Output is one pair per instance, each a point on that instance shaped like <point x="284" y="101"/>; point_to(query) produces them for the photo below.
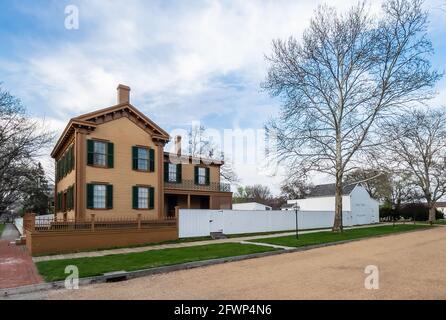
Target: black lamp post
<point x="296" y="208"/>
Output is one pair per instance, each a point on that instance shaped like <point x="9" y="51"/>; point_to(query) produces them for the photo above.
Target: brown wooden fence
<point x="48" y="236"/>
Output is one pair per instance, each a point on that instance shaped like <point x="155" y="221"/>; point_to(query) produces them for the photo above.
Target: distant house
<point x="441" y="206"/>
<point x="250" y="206"/>
<point x="355" y="200"/>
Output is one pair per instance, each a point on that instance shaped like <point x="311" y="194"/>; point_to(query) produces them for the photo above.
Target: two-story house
<point x="111" y="162"/>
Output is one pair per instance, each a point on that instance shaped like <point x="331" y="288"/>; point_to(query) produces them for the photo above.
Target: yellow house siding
<point x="124" y="134"/>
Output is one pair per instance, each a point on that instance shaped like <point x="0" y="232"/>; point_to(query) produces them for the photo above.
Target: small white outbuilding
<point x="250" y="206"/>
<point x="356" y="201"/>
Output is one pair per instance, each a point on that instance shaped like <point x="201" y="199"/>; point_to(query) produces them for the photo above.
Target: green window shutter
<point x="179" y="173"/>
<point x="90" y="152"/>
<point x="208" y="176"/>
<point x="135" y="197"/>
<point x="196" y="175"/>
<point x="63" y="166"/>
<point x="69" y="160"/>
<point x="57" y="170"/>
<point x="135" y="158"/>
<point x="110" y="155"/>
<point x="151" y="198"/>
<point x="73" y="160"/>
<point x="72" y="197"/>
<point x="68" y="204"/>
<point x="56" y="202"/>
<point x="166" y="171"/>
<point x="152" y="160"/>
<point x="90" y="195"/>
<point x="109" y="196"/>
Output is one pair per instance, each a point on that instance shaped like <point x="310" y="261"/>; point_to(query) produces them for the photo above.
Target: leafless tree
<point x="21" y="142"/>
<point x="256" y="193"/>
<point x="201" y="145"/>
<point x="403" y="189"/>
<point x="295" y="189"/>
<point x="376" y="181"/>
<point x="418" y="149"/>
<point x="347" y="73"/>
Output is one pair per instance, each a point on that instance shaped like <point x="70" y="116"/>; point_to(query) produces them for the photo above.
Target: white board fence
<point x="199" y="222"/>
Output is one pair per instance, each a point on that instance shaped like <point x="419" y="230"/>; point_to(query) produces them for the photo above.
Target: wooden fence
<point x="49" y="235"/>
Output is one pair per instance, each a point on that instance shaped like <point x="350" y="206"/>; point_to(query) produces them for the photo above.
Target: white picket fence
<point x="198" y="222"/>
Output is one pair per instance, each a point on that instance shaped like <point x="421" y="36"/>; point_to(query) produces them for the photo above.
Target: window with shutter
<point x="100" y="154"/>
<point x="143" y="159"/>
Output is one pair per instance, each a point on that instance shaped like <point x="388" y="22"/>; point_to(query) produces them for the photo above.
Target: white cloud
<point x="177" y="58"/>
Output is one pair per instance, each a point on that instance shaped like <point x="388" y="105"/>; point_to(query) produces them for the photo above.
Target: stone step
<point x="218" y="235"/>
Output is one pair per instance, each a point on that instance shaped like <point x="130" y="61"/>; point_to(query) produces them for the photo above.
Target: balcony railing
<point x="190" y="185"/>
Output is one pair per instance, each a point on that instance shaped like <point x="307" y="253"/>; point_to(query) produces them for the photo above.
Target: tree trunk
<point x="337" y="225"/>
<point x="431" y="214"/>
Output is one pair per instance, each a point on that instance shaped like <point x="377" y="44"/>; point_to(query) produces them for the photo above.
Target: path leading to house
<point x="16" y="265"/>
<point x="101" y="253"/>
<point x="411" y="266"/>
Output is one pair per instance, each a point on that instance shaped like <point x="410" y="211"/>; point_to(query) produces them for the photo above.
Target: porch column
<point x="80" y="165"/>
<point x="188" y="200"/>
<point x="160" y="158"/>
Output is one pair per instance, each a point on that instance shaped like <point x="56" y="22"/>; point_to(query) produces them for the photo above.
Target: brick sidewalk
<point x="16" y="265"/>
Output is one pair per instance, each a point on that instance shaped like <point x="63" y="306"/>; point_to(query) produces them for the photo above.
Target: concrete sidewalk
<point x="101" y="253"/>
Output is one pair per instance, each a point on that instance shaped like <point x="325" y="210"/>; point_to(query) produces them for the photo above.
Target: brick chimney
<point x="123" y="94"/>
<point x="178" y="145"/>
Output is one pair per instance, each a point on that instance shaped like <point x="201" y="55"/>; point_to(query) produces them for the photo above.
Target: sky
<point x="185" y="61"/>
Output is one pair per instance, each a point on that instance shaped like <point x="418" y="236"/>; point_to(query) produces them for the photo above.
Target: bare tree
<point x="418" y="149"/>
<point x="295" y="189"/>
<point x="201" y="145"/>
<point x="403" y="189"/>
<point x="256" y="193"/>
<point x="376" y="181"/>
<point x="21" y="142"/>
<point x="346" y="73"/>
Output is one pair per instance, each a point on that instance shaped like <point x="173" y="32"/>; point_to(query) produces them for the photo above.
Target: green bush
<point x="419" y="210"/>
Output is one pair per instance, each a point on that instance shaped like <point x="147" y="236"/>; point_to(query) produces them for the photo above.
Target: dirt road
<point x="411" y="266"/>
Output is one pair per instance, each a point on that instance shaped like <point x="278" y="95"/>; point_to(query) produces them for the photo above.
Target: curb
<point x="127" y="275"/>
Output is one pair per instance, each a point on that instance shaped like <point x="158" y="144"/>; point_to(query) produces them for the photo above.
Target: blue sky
<point x="184" y="60"/>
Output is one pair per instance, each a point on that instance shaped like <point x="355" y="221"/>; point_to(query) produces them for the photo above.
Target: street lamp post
<point x="296" y="209"/>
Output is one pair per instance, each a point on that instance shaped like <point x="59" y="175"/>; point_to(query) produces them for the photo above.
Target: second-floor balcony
<point x="191" y="185"/>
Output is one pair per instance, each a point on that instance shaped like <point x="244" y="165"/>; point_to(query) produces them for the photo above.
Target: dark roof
<point x="440" y="204"/>
<point x="327" y="190"/>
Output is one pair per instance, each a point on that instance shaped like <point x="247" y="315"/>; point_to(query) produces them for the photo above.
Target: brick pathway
<point x="16" y="265"/>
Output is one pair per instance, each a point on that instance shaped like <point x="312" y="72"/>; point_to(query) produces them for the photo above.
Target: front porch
<point x="195" y="200"/>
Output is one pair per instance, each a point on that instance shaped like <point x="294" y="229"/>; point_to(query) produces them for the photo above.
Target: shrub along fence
<point x="48" y="236"/>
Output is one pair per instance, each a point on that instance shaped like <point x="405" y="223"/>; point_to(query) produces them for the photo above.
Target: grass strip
<point x="54" y="270"/>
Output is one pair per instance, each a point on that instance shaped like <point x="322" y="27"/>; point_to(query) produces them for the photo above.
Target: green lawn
<point x="327" y="236"/>
<point x="2" y="226"/>
<point x="54" y="270"/>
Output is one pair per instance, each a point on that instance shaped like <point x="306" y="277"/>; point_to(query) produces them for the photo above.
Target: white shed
<point x="250" y="206"/>
<point x="356" y="201"/>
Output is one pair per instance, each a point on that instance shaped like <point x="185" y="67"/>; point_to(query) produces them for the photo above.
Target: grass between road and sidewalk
<point x="2" y="227"/>
<point x="55" y="270"/>
<point x="329" y="237"/>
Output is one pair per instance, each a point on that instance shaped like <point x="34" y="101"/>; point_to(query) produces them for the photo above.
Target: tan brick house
<point x="111" y="162"/>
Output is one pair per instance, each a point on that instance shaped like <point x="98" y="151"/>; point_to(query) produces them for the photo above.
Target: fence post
<point x="29" y="222"/>
<point x="177" y="220"/>
<point x="92" y="221"/>
<point x="139" y="220"/>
